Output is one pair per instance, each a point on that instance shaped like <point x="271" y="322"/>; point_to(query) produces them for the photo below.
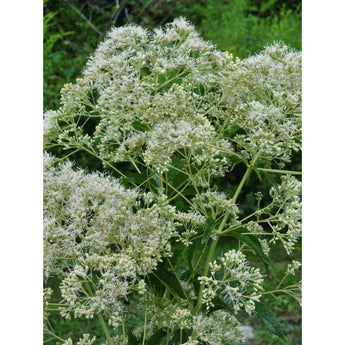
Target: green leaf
<point x="208" y="228"/>
<point x="230" y="133"/>
<point x="144" y="71"/>
<point x="169" y="280"/>
<point x="270" y="320"/>
<point x="141" y="127"/>
<point x="136" y="177"/>
<point x="132" y="340"/>
<point x="254" y="244"/>
<point x="156" y="338"/>
<point x="155" y="284"/>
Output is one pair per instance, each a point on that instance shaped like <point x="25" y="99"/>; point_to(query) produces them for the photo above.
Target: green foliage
<point x="270" y="319"/>
<point x="243" y="27"/>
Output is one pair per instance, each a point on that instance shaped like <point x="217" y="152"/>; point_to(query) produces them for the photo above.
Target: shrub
<point x="243" y="27"/>
<point x="149" y="241"/>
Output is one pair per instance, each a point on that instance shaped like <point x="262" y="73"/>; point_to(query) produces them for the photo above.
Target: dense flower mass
<point x="90" y="214"/>
<point x="165" y="115"/>
<point x="153" y="95"/>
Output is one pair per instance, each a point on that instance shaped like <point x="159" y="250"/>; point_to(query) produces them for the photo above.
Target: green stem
<point x="105" y="329"/>
<point x="291" y="172"/>
<point x="205" y="272"/>
<point x="178" y="279"/>
<point x="54" y="335"/>
<point x="220" y="229"/>
<point x="107" y="163"/>
<point x="144" y="336"/>
<point x="245" y="177"/>
<point x="100" y="318"/>
<point x="226" y="231"/>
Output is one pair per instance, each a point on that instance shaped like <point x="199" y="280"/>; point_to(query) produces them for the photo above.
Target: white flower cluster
<point x="47" y="293"/>
<point x="269" y="130"/>
<point x="95" y="227"/>
<point x="215" y="328"/>
<point x="295" y="265"/>
<point x="190" y="222"/>
<point x="85" y="340"/>
<point x="287" y="208"/>
<point x="232" y="275"/>
<point x="263" y="98"/>
<point x="91" y="213"/>
<point x="217" y="204"/>
<point x="152" y="96"/>
<point x="218" y="328"/>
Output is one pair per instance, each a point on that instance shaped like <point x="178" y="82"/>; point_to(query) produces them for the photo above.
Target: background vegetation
<point x="74" y="28"/>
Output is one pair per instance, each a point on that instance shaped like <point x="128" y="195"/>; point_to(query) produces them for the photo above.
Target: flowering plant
<point x="153" y="241"/>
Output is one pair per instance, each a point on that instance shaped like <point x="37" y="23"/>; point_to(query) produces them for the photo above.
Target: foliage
<point x="152" y="237"/>
<point x="244" y="26"/>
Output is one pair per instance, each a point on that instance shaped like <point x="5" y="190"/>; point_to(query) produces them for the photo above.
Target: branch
<point x="143" y="9"/>
<point x="82" y="15"/>
<point x="118" y="11"/>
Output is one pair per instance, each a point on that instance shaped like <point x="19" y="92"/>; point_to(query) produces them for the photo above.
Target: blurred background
<point x="74" y="28"/>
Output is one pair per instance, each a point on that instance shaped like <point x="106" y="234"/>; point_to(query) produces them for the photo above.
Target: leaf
<point x="235" y="161"/>
<point x="156" y="338"/>
<point x="141" y="127"/>
<point x="136" y="177"/>
<point x="169" y="280"/>
<point x="270" y="320"/>
<point x="155" y="284"/>
<point x="208" y="228"/>
<point x="144" y="71"/>
<point x="230" y="133"/>
<point x="132" y="340"/>
<point x="254" y="244"/>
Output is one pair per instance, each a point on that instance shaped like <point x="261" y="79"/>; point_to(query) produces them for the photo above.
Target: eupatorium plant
<point x="146" y="225"/>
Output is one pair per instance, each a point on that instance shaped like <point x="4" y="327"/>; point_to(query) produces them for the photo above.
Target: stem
<point x="281" y="282"/>
<point x="100" y="317"/>
<point x="245" y="177"/>
<point x="221" y="227"/>
<point x="178" y="279"/>
<point x="176" y="191"/>
<point x="105" y="329"/>
<point x="190" y="174"/>
<point x="226" y="231"/>
<point x="54" y="335"/>
<point x="107" y="163"/>
<point x="205" y="272"/>
<point x="144" y="336"/>
<point x="124" y="329"/>
<point x="291" y="172"/>
<point x="170" y="80"/>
